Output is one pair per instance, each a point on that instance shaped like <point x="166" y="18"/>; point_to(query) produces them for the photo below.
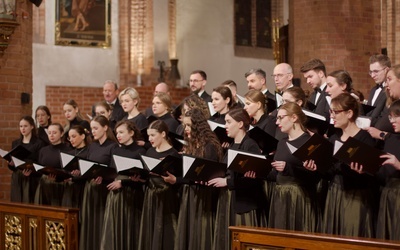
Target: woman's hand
<point x="27" y="172"/>
<point x="310" y="165"/>
<point x="51" y="177"/>
<point x="250" y="174"/>
<point x="279" y="165"/>
<point x="76" y="172"/>
<point x="170" y="178"/>
<point x="114" y="185"/>
<point x="136" y="178"/>
<point x="356" y="167"/>
<point x="217" y="182"/>
<point x="391" y="160"/>
<point x="98" y="180"/>
<point x="374" y="132"/>
<point x="225" y="145"/>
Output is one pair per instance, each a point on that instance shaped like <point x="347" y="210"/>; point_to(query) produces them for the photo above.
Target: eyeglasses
<point x="279" y="76"/>
<point x="336" y="112"/>
<point x="195" y="80"/>
<point x="280" y="117"/>
<point x="376" y="71"/>
<point x="393" y="118"/>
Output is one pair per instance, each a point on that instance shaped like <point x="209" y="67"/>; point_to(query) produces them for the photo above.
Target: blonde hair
<point x="132" y="94"/>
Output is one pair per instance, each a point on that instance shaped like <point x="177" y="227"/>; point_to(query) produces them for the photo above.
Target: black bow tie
<point x="379" y="86"/>
<point x="318" y="90"/>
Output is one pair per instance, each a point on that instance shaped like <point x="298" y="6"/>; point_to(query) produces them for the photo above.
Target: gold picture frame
<point x="83" y="23"/>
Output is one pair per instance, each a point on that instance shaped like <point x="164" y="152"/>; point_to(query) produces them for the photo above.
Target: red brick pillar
<point x="343" y="34"/>
<point x="15" y="78"/>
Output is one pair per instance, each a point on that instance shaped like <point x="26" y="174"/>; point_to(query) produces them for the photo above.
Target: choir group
<point x="145" y="210"/>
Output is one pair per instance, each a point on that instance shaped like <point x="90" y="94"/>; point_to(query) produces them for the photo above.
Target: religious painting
<point x="83" y="23"/>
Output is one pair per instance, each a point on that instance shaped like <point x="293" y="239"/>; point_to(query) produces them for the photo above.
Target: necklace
<point x="76" y="154"/>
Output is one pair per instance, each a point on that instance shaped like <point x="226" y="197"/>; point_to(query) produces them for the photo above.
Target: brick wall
<point x="15" y="78"/>
<point x="343" y="34"/>
<point x="56" y="96"/>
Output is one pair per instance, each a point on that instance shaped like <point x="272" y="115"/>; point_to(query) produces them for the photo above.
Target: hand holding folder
<point x="22" y="165"/>
<point x="318" y="149"/>
<point x="242" y="162"/>
<point x="200" y="169"/>
<point x="354" y="150"/>
<point x="60" y="174"/>
<point x="172" y="164"/>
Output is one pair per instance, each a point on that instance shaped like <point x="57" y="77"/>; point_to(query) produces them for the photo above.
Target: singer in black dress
<point x="350" y="208"/>
<point x="50" y="191"/>
<point x="199" y="202"/>
<point x="389" y="176"/>
<point x="162" y="107"/>
<point x="74" y="117"/>
<point x="293" y="205"/>
<point x="43" y="120"/>
<point x="79" y="139"/>
<point x="95" y="192"/>
<point x="161" y="200"/>
<point x="241" y="198"/>
<point x="222" y="102"/>
<point x="24" y="183"/>
<point x="124" y="201"/>
<point x="130" y="100"/>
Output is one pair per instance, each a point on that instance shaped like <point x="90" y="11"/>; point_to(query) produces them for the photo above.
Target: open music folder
<point x="200" y="169"/>
<point x="220" y="131"/>
<point x="316" y="148"/>
<point x="69" y="162"/>
<point x="60" y="174"/>
<point x="242" y="162"/>
<point x="170" y="163"/>
<point x="20" y="164"/>
<point x="315" y="122"/>
<point x="128" y="166"/>
<point x="354" y="150"/>
<point x="265" y="141"/>
<point x="19" y="152"/>
<point x="91" y="169"/>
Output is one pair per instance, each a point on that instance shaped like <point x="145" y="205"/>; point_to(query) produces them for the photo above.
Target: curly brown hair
<point x="194" y="101"/>
<point x="201" y="135"/>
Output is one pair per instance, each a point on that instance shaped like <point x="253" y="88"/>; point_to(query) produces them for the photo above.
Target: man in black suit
<point x="110" y="93"/>
<point x="379" y="65"/>
<point x="256" y="79"/>
<point x="315" y="73"/>
<point x="283" y="75"/>
<point x="197" y="83"/>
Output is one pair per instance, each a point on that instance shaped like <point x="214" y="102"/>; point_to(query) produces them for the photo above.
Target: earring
<point x="294" y="126"/>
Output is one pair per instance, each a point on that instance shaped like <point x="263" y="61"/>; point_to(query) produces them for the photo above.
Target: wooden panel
<point x="35" y="227"/>
<point x="266" y="238"/>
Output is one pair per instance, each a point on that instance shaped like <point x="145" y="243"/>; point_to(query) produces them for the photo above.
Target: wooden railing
<point x="34" y="227"/>
<point x="246" y="238"/>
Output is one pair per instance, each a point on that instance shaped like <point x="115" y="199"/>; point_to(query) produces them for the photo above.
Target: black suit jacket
<point x="270" y="102"/>
<point x="206" y="97"/>
<point x="322" y="105"/>
<point x="379" y="104"/>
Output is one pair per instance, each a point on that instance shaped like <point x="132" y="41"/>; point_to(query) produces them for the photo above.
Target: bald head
<point x="162" y="87"/>
<point x="283" y="75"/>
